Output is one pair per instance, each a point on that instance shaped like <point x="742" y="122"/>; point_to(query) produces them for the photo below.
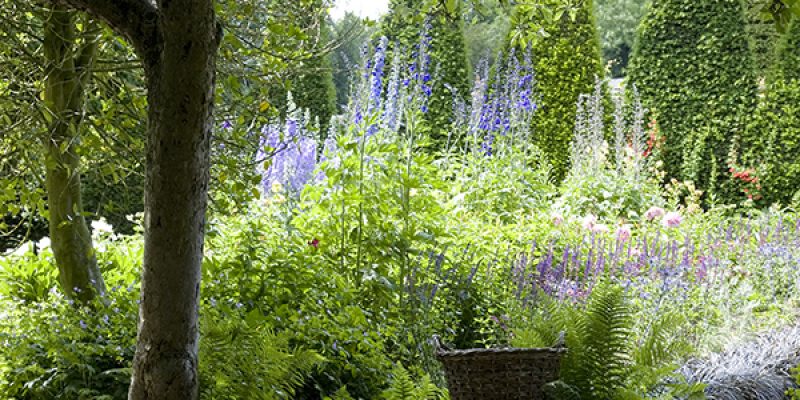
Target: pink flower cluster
<point x="624" y="233"/>
<point x="557" y="218"/>
<point x="670" y="219"/>
<point x="653" y="213"/>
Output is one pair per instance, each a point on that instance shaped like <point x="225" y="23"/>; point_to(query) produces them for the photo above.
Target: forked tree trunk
<point x="68" y="68"/>
<point x="177" y="42"/>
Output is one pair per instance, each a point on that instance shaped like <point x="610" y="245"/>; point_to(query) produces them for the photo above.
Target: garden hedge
<point x="775" y="142"/>
<point x="693" y="67"/>
<point x="774" y="133"/>
<point x="566" y="63"/>
<point x="787" y="55"/>
<point x="449" y="65"/>
<point x="763" y="37"/>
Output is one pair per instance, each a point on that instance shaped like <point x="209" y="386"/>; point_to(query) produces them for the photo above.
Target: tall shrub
<point x="693" y="67"/>
<point x="787" y="55"/>
<point x="450" y="67"/>
<point x="314" y="90"/>
<point x="774" y="134"/>
<point x="763" y="37"/>
<point x="566" y="63"/>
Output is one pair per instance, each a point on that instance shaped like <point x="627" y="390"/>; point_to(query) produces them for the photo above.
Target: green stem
<point x="361" y="151"/>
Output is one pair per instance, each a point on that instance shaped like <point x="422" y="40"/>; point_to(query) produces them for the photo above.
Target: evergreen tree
<point x="694" y="71"/>
<point x="312" y="87"/>
<point x="449" y="63"/>
<point x="787" y="55"/>
<point x="567" y="63"/>
<point x="314" y="90"/>
<point x="774" y="134"/>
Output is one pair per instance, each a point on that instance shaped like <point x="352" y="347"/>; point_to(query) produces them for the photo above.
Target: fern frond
<point x="598" y="361"/>
<point x="246" y="362"/>
<point x="402" y="387"/>
<point x="341" y="394"/>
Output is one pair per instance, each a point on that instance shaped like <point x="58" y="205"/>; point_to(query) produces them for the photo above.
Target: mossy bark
<point x="69" y="60"/>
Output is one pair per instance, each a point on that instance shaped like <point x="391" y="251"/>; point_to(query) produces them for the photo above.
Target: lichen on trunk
<point x="69" y="60"/>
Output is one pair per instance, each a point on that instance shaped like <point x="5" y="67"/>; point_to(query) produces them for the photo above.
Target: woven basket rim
<point x="510" y="351"/>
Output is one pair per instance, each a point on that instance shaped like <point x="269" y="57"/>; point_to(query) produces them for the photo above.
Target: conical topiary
<point x="448" y="58"/>
<point x="694" y="71"/>
<point x="773" y="136"/>
<point x="567" y="63"/>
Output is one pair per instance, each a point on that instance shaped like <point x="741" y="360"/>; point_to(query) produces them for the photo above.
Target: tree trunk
<point x="180" y="83"/>
<point x="177" y="41"/>
<point x="67" y="70"/>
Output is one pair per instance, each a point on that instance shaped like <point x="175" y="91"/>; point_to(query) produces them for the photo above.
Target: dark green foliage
<point x="449" y="66"/>
<point x="451" y="69"/>
<point x="566" y="63"/>
<point x="314" y="90"/>
<point x="787" y="55"/>
<point x="21" y="227"/>
<point x="115" y="200"/>
<point x="311" y="84"/>
<point x="693" y="68"/>
<point x="763" y="37"/>
<point x="351" y="33"/>
<point x="774" y="136"/>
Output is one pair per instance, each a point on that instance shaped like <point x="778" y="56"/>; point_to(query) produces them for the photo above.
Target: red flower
<point x="314" y="243"/>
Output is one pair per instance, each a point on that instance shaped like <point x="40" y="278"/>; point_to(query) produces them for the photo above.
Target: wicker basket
<point x="499" y="374"/>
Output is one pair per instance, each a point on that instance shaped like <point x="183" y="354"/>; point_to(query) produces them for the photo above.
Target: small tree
<point x="566" y="63"/>
<point x="68" y="69"/>
<point x="773" y="137"/>
<point x="44" y="103"/>
<point x="693" y="68"/>
<point x="177" y="43"/>
<point x="450" y="67"/>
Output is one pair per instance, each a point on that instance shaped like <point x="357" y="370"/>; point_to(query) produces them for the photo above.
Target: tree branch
<point x="136" y="20"/>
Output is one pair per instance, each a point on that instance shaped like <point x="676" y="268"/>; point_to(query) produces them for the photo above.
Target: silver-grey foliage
<point x="756" y="370"/>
